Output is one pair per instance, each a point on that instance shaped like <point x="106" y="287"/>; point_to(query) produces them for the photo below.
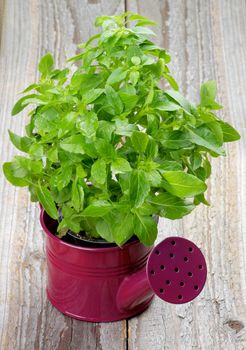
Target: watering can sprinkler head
<point x="176" y="272"/>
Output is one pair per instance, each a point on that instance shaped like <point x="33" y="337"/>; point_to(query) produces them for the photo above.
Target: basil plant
<point x="107" y="146"/>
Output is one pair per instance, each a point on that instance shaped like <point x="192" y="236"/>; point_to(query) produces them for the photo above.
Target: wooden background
<point x="207" y="39"/>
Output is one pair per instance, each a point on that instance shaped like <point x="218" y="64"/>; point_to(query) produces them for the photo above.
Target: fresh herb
<point x="110" y="147"/>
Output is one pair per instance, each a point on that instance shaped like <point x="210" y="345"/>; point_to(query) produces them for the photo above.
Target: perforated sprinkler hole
<point x="162" y="267"/>
<point x="168" y="282"/>
<point x="190" y="249"/>
<point x="152" y="272"/>
<point x="161" y="290"/>
<point x="173" y="242"/>
<point x="180" y="297"/>
<point x="171" y="255"/>
<point x="190" y="274"/>
<point x="200" y="267"/>
<point x="181" y="284"/>
<point x="157" y="252"/>
<point x="196" y="287"/>
<point x="186" y="259"/>
<point x="176" y="269"/>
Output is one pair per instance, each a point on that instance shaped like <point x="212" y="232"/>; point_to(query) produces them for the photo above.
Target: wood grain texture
<point x="207" y="39"/>
<point x="27" y="321"/>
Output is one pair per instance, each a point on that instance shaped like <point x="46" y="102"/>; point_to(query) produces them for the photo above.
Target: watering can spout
<point x="176" y="271"/>
<point x="134" y="290"/>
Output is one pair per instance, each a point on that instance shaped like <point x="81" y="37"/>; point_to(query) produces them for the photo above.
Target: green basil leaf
<point x="116" y="76"/>
<point x="182" y="101"/>
<point x="46" y="199"/>
<point x="134" y="77"/>
<point x="16" y="181"/>
<point x="47" y="120"/>
<point x="22" y="166"/>
<point x="94" y="210"/>
<point x="62" y="196"/>
<point x="151" y="149"/>
<point x="207" y="167"/>
<point x="216" y="129"/>
<point x="60" y="75"/>
<point x="67" y="123"/>
<point x="200" y="199"/>
<point x="133" y="51"/>
<point x="86" y="82"/>
<point x="168" y="165"/>
<point x="88" y="124"/>
<point x="138" y="188"/>
<point x="170" y="79"/>
<point x="171" y="207"/>
<point x="45" y="65"/>
<point x="129" y="100"/>
<point x="22" y="143"/>
<point x="98" y="171"/>
<point x="146" y="210"/>
<point x="90" y="149"/>
<point x="80" y="172"/>
<point x="153" y="124"/>
<point x="24" y="101"/>
<point x="73" y="144"/>
<point x="182" y="184"/>
<point x="91" y="95"/>
<point x="105" y="130"/>
<point x="143" y="31"/>
<point x="69" y="222"/>
<point x="36" y="150"/>
<point x="150" y="96"/>
<point x="123" y="128"/>
<point x="173" y="139"/>
<point x="145" y="228"/>
<point x="61" y="177"/>
<point x="105" y="149"/>
<point x="19" y="168"/>
<point x="104" y="229"/>
<point x="139" y="18"/>
<point x="139" y="141"/>
<point x="166" y="105"/>
<point x="77" y="196"/>
<point x="203" y="137"/>
<point x="154" y="178"/>
<point x="229" y="133"/>
<point x="123" y="227"/>
<point x="52" y="154"/>
<point x="30" y="87"/>
<point x="196" y="161"/>
<point x="114" y="100"/>
<point x="136" y="60"/>
<point x="208" y="93"/>
<point x="120" y="166"/>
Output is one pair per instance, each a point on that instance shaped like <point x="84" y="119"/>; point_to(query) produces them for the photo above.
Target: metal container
<point x="83" y="282"/>
<point x="114" y="283"/>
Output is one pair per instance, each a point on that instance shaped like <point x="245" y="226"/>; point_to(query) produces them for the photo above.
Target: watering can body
<point x="115" y="283"/>
<point x="83" y="282"/>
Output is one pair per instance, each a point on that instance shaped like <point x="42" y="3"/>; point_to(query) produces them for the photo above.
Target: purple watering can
<point x="113" y="283"/>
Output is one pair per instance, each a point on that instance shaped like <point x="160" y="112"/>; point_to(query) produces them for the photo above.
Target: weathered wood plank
<point x="207" y="39"/>
<point x="27" y="321"/>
